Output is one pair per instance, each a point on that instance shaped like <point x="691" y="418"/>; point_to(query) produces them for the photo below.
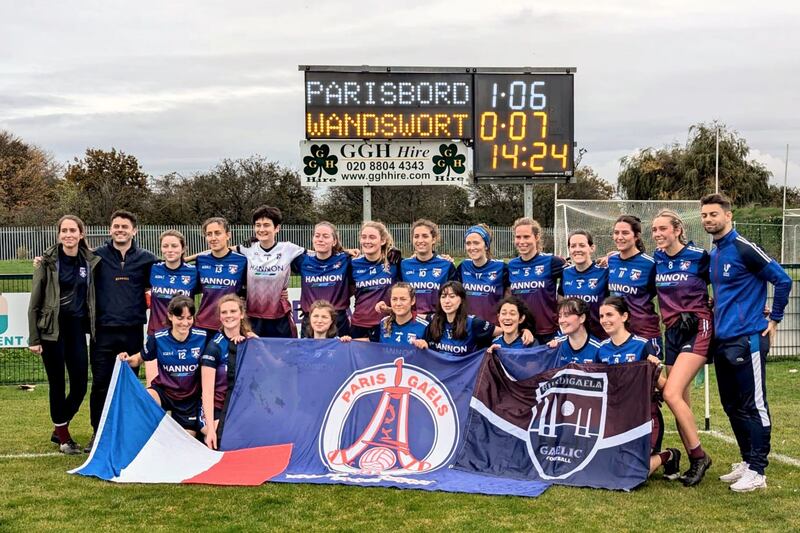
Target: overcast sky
<point x="183" y="84"/>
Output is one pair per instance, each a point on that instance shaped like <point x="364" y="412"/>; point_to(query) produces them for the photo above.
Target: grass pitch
<point x="37" y="494"/>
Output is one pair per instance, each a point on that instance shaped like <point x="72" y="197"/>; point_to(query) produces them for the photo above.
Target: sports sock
<point x="62" y="432"/>
<point x="665" y="456"/>
<point x="697" y="452"/>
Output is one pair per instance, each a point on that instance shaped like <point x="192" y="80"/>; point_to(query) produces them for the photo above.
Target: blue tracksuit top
<point x="739" y="272"/>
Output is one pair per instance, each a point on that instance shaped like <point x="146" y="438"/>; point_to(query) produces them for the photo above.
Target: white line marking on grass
<point x="29" y="455"/>
<point x="785" y="459"/>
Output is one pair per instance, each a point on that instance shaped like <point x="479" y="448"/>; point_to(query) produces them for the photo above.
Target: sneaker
<point x="54" y="438"/>
<point x="737" y="471"/>
<point x="70" y="447"/>
<point x="672" y="468"/>
<point x="697" y="469"/>
<point x="750" y="480"/>
<point x="90" y="444"/>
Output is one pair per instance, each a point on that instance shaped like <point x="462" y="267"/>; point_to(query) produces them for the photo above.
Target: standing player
<point x="740" y="271"/>
<point x="426" y="271"/>
<point x="372" y="275"/>
<point x="325" y="275"/>
<point x="578" y="345"/>
<point x="682" y="285"/>
<point x="269" y="267"/>
<point x="485" y="279"/>
<point x="60" y="314"/>
<point x="534" y="277"/>
<point x="169" y="278"/>
<point x="172" y="364"/>
<point x="586" y="280"/>
<point x="221" y="271"/>
<point x="402" y="326"/>
<point x="632" y="276"/>
<point x="121" y="278"/>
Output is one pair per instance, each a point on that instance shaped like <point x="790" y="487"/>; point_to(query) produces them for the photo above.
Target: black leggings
<point x="70" y="351"/>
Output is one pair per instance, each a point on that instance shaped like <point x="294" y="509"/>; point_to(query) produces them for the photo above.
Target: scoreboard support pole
<point x="528" y="200"/>
<point x="367" y="203"/>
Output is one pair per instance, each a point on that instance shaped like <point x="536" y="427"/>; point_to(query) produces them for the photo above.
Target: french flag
<point x="137" y="442"/>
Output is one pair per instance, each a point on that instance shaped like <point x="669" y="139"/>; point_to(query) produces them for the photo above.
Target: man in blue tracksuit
<point x="120" y="278"/>
<point x="739" y="272"/>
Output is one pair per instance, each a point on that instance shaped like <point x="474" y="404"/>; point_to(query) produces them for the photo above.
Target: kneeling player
<point x="402" y="326"/>
<point x="624" y="347"/>
<point x="577" y="345"/>
<point x="171" y="360"/>
<point x="512" y="316"/>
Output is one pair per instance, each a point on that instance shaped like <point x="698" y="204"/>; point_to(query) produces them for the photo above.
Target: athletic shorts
<point x="364" y="332"/>
<point x="202" y="419"/>
<point x="282" y="328"/>
<point x="184" y="412"/>
<point x="690" y="334"/>
<point x="657" y="435"/>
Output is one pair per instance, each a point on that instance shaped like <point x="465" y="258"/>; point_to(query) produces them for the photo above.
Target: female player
<point x="586" y="280"/>
<point x="60" y="313"/>
<point x="534" y="277"/>
<point x="632" y="276"/>
<point x="682" y="283"/>
<point x="172" y="364"/>
<point x="402" y="326"/>
<point x="170" y="277"/>
<point x="322" y="322"/>
<point x="577" y="345"/>
<point x="325" y="275"/>
<point x="512" y="315"/>
<point x="218" y="363"/>
<point x="426" y="271"/>
<point x="485" y="279"/>
<point x="624" y="347"/>
<point x="372" y="275"/>
<point x="221" y="271"/>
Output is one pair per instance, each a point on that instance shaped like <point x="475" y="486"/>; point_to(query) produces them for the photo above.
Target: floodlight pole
<point x="528" y="200"/>
<point x="706" y="391"/>
<point x="785" y="183"/>
<point x="716" y="164"/>
<point x="367" y="202"/>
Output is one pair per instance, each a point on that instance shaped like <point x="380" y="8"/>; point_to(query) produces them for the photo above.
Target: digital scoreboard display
<point x="523" y="125"/>
<point x="388" y="105"/>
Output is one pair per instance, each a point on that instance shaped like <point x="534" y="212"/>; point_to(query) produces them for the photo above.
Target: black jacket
<point x="120" y="285"/>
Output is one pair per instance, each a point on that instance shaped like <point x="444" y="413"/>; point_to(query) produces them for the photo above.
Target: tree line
<point x="37" y="189"/>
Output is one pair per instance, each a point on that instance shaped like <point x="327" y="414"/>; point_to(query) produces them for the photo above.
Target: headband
<point x="480" y="231"/>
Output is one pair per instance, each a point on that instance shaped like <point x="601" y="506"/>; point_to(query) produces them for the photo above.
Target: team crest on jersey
<point x="567" y="422"/>
<point x="186" y="279"/>
<point x="82" y="272"/>
<point x="592" y="283"/>
<point x="196" y="352"/>
<point x="437" y="272"/>
<point x="389" y="420"/>
<point x="636" y="274"/>
<point x="685" y="265"/>
<point x="539" y="269"/>
<point x="232" y="269"/>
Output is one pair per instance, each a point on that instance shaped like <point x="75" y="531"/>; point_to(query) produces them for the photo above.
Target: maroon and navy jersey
<point x="634" y="279"/>
<point x="591" y="286"/>
<point x="371" y="281"/>
<point x="400" y="334"/>
<point x="165" y="284"/>
<point x="324" y="279"/>
<point x="485" y="286"/>
<point x="178" y="362"/>
<point x="479" y="335"/>
<point x="268" y="273"/>
<point x="682" y="283"/>
<point x="536" y="283"/>
<point x="585" y="354"/>
<point x="218" y="276"/>
<point x="427" y="277"/>
<point x="634" y="349"/>
<point x="215" y="355"/>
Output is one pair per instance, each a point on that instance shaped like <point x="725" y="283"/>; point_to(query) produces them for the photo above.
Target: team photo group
<point x="678" y="306"/>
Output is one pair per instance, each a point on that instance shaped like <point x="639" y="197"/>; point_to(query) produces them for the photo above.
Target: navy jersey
<point x="536" y="283"/>
<point x="634" y="279"/>
<point x="585" y="354"/>
<point x="634" y="349"/>
<point x="371" y="282"/>
<point x="218" y="277"/>
<point x="166" y="283"/>
<point x="324" y="279"/>
<point x="427" y="277"/>
<point x="215" y="356"/>
<point x="401" y="333"/>
<point x="591" y="286"/>
<point x="479" y="333"/>
<point x="485" y="286"/>
<point x="682" y="283"/>
<point x="178" y="362"/>
<point x="740" y="271"/>
<point x="516" y="344"/>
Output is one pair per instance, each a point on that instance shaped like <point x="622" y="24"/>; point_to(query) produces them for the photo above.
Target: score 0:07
<point x="539" y="152"/>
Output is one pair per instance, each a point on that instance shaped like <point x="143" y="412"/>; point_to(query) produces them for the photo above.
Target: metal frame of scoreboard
<point x="520" y="172"/>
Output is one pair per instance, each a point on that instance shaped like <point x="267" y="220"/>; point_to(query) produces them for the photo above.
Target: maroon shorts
<point x="694" y="340"/>
<point x="657" y="435"/>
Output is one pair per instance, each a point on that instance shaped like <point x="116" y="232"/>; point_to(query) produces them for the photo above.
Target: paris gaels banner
<point x="363" y="413"/>
<point x="582" y="425"/>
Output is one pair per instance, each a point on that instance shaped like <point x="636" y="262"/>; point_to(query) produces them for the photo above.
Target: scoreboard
<point x="519" y="121"/>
